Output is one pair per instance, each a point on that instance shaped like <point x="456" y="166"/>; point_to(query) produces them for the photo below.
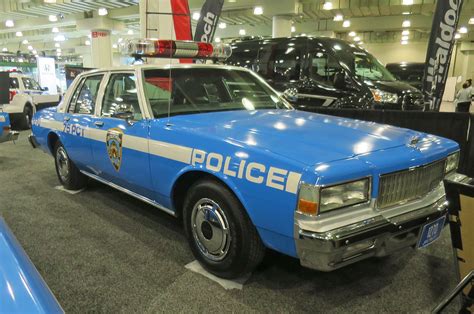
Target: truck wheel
<point x="69" y="176"/>
<point x="27" y="117"/>
<point x="221" y="235"/>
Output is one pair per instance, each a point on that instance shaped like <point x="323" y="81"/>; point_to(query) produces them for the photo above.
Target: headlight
<point x="314" y="200"/>
<point x="382" y="96"/>
<point x="452" y="162"/>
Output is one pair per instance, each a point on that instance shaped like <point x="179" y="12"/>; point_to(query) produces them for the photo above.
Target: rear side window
<point x="14" y="83"/>
<point x="287" y="63"/>
<point x="324" y="68"/>
<point x="84" y="98"/>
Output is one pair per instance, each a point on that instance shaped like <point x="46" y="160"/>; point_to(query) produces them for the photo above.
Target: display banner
<point x="47" y="74"/>
<point x="440" y="47"/>
<point x="206" y="26"/>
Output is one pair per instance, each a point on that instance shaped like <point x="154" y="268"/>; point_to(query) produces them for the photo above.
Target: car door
<point x="77" y="119"/>
<point x="121" y="150"/>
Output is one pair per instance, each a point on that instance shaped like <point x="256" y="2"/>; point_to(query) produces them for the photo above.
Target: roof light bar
<point x="153" y="48"/>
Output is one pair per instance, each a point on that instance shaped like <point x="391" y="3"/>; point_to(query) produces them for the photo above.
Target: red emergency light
<point x="154" y="48"/>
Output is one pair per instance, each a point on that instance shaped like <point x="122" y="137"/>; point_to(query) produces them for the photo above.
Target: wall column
<point x="101" y="48"/>
<point x="281" y="26"/>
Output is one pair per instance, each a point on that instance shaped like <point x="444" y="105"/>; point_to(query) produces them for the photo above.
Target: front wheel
<point x="27" y="117"/>
<point x="69" y="176"/>
<point x="219" y="232"/>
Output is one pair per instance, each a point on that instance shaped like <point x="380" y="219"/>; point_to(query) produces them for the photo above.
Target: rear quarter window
<point x="14" y="83"/>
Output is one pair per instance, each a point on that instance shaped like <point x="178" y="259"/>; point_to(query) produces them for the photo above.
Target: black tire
<point x="68" y="174"/>
<point x="27" y="117"/>
<point x="241" y="251"/>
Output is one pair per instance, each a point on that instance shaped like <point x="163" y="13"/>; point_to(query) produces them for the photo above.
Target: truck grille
<point x="406" y="185"/>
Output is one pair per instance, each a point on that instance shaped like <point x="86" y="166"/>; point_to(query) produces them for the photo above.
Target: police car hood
<point x="301" y="136"/>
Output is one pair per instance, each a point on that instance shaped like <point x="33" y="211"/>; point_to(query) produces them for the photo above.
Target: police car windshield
<point x="200" y="90"/>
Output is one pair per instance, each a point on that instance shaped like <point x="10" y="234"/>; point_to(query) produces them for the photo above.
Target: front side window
<point x="30" y="83"/>
<point x="199" y="90"/>
<point x="121" y="97"/>
<point x="84" y="98"/>
<point x="324" y="68"/>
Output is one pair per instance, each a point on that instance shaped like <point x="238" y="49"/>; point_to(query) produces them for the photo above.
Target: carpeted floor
<point x="103" y="251"/>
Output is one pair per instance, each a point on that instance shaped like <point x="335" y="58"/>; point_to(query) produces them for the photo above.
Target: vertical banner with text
<point x="47" y="74"/>
<point x="206" y="26"/>
<point x="440" y="47"/>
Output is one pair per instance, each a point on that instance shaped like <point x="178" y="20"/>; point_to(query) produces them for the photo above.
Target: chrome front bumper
<point x="377" y="236"/>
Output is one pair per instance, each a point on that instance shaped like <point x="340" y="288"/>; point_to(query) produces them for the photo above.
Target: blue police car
<point x="6" y="134"/>
<point x="219" y="148"/>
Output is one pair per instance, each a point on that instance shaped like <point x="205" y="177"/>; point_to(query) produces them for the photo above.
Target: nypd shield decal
<point x="113" y="142"/>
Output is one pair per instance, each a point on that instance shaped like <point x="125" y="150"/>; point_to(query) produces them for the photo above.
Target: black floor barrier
<point x="456" y="126"/>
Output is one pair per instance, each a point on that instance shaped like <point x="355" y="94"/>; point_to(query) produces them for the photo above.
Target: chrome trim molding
<point x="131" y="193"/>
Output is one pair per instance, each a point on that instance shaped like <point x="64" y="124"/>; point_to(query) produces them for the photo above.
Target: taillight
<point x="12" y="94"/>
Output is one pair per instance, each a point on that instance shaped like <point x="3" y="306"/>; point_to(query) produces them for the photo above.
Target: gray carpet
<point x="103" y="251"/>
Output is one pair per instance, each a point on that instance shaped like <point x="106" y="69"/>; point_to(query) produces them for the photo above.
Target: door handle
<point x="66" y="119"/>
<point x="99" y="123"/>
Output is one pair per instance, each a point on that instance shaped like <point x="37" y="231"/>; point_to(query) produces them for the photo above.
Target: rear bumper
<point x="9" y="136"/>
<point x="377" y="236"/>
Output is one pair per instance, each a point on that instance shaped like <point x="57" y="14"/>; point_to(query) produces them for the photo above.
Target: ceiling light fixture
<point x="49" y="1"/>
<point x="217" y="40"/>
<point x="25" y="42"/>
<point x="130" y="32"/>
<point x="352" y="34"/>
<point x="59" y="38"/>
<point x="88" y="42"/>
<point x="404" y="37"/>
<point x="57" y="45"/>
<point x="222" y="25"/>
<point x="457" y="36"/>
<point x="30" y="48"/>
<point x="404" y="42"/>
<point x="405" y="32"/>
<point x="406" y="23"/>
<point x="406" y="13"/>
<point x="471" y="20"/>
<point x="357" y="38"/>
<point x="338" y="18"/>
<point x="258" y="10"/>
<point x="463" y="30"/>
<point x="55" y="30"/>
<point x="34" y="52"/>
<point x="103" y="11"/>
<point x="58" y="50"/>
<point x="115" y="46"/>
<point x="242" y="32"/>
<point x="53" y="18"/>
<point x="19" y="34"/>
<point x="5" y="49"/>
<point x="407" y="2"/>
<point x="9" y="23"/>
<point x="293" y="29"/>
<point x="327" y="5"/>
<point x="196" y="16"/>
<point x="346" y="24"/>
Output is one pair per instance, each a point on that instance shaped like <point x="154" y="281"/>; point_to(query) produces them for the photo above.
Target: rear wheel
<point x="69" y="176"/>
<point x="221" y="235"/>
<point x="27" y="117"/>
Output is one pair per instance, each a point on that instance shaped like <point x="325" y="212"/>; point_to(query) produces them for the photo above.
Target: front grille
<point x="403" y="186"/>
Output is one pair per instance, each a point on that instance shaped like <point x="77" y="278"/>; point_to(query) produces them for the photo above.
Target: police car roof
<point x="164" y="66"/>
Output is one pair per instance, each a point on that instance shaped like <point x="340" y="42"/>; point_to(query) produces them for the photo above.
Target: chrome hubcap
<point x="210" y="229"/>
<point x="62" y="161"/>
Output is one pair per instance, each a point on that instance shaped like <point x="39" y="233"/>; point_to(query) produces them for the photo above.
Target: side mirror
<point x="291" y="94"/>
<point x="45" y="89"/>
<point x="340" y="80"/>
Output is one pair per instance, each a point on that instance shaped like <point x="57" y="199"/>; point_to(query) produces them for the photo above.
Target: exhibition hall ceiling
<point x="40" y="23"/>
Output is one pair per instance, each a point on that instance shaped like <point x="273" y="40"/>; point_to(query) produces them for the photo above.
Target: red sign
<point x="97" y="34"/>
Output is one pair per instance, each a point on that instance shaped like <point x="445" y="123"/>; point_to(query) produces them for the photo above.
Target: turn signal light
<point x="307" y="207"/>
